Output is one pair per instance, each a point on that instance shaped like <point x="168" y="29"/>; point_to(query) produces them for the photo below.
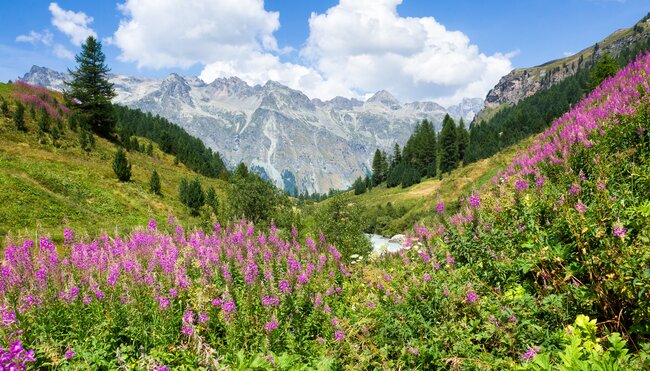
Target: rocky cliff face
<point x="524" y="82"/>
<point x="297" y="142"/>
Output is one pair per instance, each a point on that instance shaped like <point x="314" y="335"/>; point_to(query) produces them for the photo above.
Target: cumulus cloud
<point x="73" y="24"/>
<point x="423" y="59"/>
<point x="170" y="33"/>
<point x="34" y="37"/>
<point x="355" y="48"/>
<point x="62" y="52"/>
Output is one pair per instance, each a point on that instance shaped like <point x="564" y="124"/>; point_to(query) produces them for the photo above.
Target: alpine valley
<point x="301" y="144"/>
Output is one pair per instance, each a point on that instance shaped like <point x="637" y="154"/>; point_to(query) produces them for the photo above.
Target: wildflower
<point x="619" y="230"/>
<point x="474" y="201"/>
<point x="521" y="184"/>
<point x="581" y="207"/>
<point x="387" y="277"/>
<point x="268" y="301"/>
<point x="450" y="260"/>
<point x="203" y="318"/>
<point x="530" y="354"/>
<point x="413" y="350"/>
<point x="270" y="326"/>
<point x="471" y="297"/>
<point x="69" y="354"/>
<point x="445" y="292"/>
<point x="440" y="208"/>
<point x="339" y="336"/>
<point x="68" y="236"/>
<point x="152" y="225"/>
<point x="426" y="277"/>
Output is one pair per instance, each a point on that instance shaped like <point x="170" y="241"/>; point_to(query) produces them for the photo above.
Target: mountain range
<point x="300" y="144"/>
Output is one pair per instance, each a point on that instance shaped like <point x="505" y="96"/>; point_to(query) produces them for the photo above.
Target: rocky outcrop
<point x="524" y="82"/>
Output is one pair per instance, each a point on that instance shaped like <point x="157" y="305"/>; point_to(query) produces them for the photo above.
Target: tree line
<point x="425" y="155"/>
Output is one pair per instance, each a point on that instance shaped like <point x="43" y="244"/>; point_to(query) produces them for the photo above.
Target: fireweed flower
<point x="471" y="297"/>
<point x="339" y="336"/>
<point x="581" y="207"/>
<point x="618" y="229"/>
<point x="530" y="354"/>
<point x="270" y="326"/>
<point x="69" y="354"/>
<point x="474" y="201"/>
<point x="440" y="208"/>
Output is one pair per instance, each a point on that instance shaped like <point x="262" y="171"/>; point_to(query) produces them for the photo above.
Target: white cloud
<point x="415" y="58"/>
<point x="73" y="24"/>
<point x="357" y="47"/>
<point x="34" y="37"/>
<point x="62" y="52"/>
<point x="168" y="33"/>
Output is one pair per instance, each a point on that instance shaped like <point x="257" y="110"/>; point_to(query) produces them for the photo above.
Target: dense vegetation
<point x="171" y="139"/>
<point x="424" y="155"/>
<point x="547" y="267"/>
<point x="534" y="114"/>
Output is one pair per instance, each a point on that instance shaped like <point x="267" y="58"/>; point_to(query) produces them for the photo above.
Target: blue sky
<point x="442" y="50"/>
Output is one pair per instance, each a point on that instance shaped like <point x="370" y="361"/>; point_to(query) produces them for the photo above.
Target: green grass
<point x="46" y="187"/>
<point x="417" y="203"/>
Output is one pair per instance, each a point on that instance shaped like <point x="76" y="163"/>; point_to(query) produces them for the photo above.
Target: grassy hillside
<point x="547" y="267"/>
<point x="389" y="211"/>
<point x="46" y="187"/>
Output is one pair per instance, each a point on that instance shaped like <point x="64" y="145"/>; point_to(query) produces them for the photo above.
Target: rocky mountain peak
<point x="385" y="98"/>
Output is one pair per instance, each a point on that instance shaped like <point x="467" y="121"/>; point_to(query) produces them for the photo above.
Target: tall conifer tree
<point x="448" y="145"/>
<point x="90" y="88"/>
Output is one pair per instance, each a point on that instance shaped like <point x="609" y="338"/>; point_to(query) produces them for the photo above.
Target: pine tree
<point x="91" y="89"/>
<point x="154" y="183"/>
<point x="211" y="200"/>
<point x="121" y="166"/>
<point x="19" y="117"/>
<point x="448" y="145"/>
<point x="377" y="176"/>
<point x="242" y="170"/>
<point x="359" y="186"/>
<point x="195" y="196"/>
<point x="43" y="122"/>
<point x="463" y="140"/>
<point x="605" y="67"/>
<point x="397" y="156"/>
<point x="183" y="189"/>
<point x="384" y="166"/>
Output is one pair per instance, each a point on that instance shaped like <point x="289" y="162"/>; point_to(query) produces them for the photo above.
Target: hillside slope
<point x="389" y="211"/>
<point x="524" y="82"/>
<point x="46" y="186"/>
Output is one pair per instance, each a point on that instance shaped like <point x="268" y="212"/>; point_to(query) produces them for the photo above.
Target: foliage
<point x="448" y="145"/>
<point x="256" y="199"/>
<point x="91" y="89"/>
<point x="154" y="183"/>
<point x="340" y="222"/>
<point x="121" y="166"/>
<point x="359" y="186"/>
<point x="191" y="195"/>
<point x="534" y="114"/>
<point x="19" y="117"/>
<point x="171" y="139"/>
<point x="604" y="68"/>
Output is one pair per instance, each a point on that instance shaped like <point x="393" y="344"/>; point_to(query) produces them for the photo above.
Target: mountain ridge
<point x="521" y="83"/>
<point x="317" y="145"/>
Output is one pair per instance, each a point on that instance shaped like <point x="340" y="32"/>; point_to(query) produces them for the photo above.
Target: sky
<point x="442" y="50"/>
